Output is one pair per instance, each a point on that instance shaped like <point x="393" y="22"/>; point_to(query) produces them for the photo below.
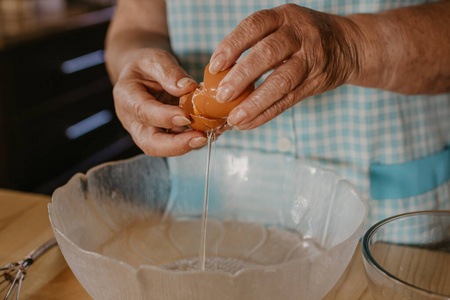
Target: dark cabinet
<point x="56" y="111"/>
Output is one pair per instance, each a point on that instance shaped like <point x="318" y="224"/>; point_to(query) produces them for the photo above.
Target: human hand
<point x="146" y="100"/>
<point x="311" y="52"/>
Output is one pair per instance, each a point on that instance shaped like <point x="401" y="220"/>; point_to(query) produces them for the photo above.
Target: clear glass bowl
<point x="408" y="256"/>
<point x="278" y="228"/>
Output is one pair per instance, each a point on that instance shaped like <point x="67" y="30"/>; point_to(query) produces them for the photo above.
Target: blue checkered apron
<point x="349" y="129"/>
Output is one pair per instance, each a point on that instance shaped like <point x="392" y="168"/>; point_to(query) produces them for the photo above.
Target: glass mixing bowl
<point x="408" y="256"/>
<point x="278" y="228"/>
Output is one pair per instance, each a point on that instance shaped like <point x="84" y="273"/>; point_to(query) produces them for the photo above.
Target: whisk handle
<point x="36" y="253"/>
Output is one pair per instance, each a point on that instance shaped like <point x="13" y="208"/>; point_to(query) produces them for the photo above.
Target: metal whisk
<point x="12" y="275"/>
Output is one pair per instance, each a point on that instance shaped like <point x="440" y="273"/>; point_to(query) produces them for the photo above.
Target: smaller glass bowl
<point x="408" y="256"/>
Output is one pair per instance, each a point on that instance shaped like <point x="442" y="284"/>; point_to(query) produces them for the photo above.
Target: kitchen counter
<point x="24" y="225"/>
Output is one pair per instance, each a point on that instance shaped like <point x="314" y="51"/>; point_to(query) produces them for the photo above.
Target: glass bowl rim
<point x="371" y="260"/>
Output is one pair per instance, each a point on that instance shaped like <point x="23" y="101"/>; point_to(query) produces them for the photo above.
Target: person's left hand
<point x="311" y="52"/>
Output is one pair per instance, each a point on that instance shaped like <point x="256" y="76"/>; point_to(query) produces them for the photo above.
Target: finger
<point x="265" y="55"/>
<point x="180" y="129"/>
<point x="273" y="111"/>
<point x="166" y="98"/>
<point x="133" y="102"/>
<point x="162" y="67"/>
<point x="156" y="142"/>
<point x="276" y="86"/>
<point x="248" y="32"/>
<point x="222" y="129"/>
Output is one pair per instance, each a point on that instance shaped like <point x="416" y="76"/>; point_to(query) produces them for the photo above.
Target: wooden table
<point x="24" y="225"/>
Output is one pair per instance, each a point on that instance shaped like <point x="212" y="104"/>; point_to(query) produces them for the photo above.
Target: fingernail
<point x="224" y="94"/>
<point x="198" y="142"/>
<point x="185" y="81"/>
<point x="216" y="65"/>
<point x="180" y="121"/>
<point x="236" y="117"/>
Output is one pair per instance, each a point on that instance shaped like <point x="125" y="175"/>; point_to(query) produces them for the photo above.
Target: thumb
<point x="186" y="84"/>
<point x="170" y="75"/>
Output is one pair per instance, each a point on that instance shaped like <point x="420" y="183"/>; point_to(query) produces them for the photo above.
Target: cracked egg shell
<point x="203" y="106"/>
<point x="198" y="122"/>
<point x="205" y="102"/>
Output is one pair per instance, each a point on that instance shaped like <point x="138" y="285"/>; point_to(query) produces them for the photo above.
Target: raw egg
<point x="205" y="112"/>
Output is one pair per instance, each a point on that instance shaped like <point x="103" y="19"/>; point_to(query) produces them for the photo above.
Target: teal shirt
<point x="393" y="147"/>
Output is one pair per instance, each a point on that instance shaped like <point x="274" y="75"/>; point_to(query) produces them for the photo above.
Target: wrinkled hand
<point x="310" y="52"/>
<point x="146" y="100"/>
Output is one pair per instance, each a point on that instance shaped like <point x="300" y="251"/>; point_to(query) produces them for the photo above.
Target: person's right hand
<point x="146" y="100"/>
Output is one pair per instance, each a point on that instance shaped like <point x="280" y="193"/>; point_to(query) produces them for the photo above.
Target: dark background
<point x="52" y="78"/>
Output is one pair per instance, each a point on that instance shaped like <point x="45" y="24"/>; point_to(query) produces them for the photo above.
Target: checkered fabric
<point x="346" y="129"/>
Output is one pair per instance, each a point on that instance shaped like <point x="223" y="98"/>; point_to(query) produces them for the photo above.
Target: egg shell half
<point x="198" y="122"/>
<point x="205" y="101"/>
<point x="202" y="106"/>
